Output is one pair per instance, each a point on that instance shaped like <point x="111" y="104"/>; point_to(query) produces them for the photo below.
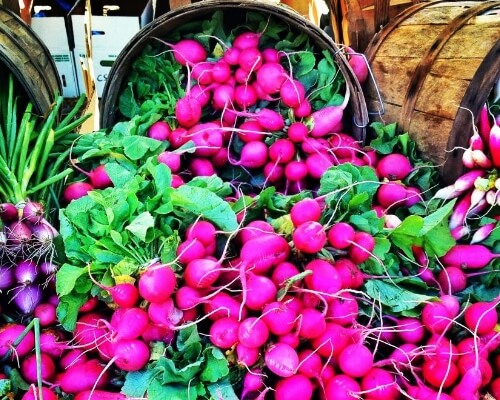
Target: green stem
<point x="8" y="111"/>
<point x="3" y="148"/>
<point x="41" y="168"/>
<point x="74" y="111"/>
<point x="60" y="132"/>
<point x="20" y="141"/>
<point x="53" y="179"/>
<point x="40" y="145"/>
<point x="23" y="152"/>
<point x="12" y="183"/>
<point x="13" y="130"/>
<point x="38" y="357"/>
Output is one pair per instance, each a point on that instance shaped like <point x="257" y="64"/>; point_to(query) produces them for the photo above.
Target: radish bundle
<point x="260" y="105"/>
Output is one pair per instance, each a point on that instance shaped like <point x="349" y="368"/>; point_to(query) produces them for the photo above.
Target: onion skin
<point x="27" y="297"/>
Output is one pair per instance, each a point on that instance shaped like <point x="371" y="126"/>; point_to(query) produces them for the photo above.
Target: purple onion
<point x="26" y="272"/>
<point x="27" y="297"/>
<point x="7" y="279"/>
<point x="48" y="268"/>
<point x="33" y="212"/>
<point x="8" y="212"/>
<point x="43" y="232"/>
<point x="18" y="233"/>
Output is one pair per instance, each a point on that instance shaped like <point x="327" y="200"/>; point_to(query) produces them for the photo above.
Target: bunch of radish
<point x="245" y="111"/>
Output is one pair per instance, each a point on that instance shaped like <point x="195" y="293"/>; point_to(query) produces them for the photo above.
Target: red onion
<point x="48" y="268"/>
<point x="18" y="233"/>
<point x="27" y="297"/>
<point x="33" y="212"/>
<point x="7" y="279"/>
<point x="43" y="232"/>
<point x="26" y="272"/>
<point x="8" y="212"/>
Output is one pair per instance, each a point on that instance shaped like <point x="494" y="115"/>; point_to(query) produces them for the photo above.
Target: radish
<point x="494" y="145"/>
<point x="253" y="332"/>
<point x="245" y="96"/>
<point x="340" y="235"/>
<point x="188" y="111"/>
<point x="130" y="355"/>
<point x="327" y="119"/>
<point x="202" y="273"/>
<point x="324" y="278"/>
<point x="187" y="51"/>
<point x="87" y="376"/>
<point x="253" y="381"/>
<point x="294" y="387"/>
<point x="271" y="76"/>
<point x="263" y="252"/>
<point x="282" y="151"/>
<point x="281" y="359"/>
<point x="411" y="330"/>
<point x="355" y="360"/>
<point x="171" y="160"/>
<point x="436" y="317"/>
<point x="98" y="395"/>
<point x="361" y="247"/>
<point x="332" y="341"/>
<point x="473" y="256"/>
<point x="123" y="294"/>
<point x="470" y="361"/>
<point x="440" y="372"/>
<point x="344" y="146"/>
<point x="391" y="194"/>
<point x="309" y="237"/>
<point x="224" y="332"/>
<point x="468" y="386"/>
<point x="394" y="167"/>
<point x="379" y="384"/>
<point x="201" y="167"/>
<point x="251" y="131"/>
<point x="305" y="210"/>
<point x="76" y="190"/>
<point x="71" y="357"/>
<point x="312" y="323"/>
<point x="247" y="356"/>
<point x="157" y="283"/>
<point x="159" y="130"/>
<point x="253" y="155"/>
<point x="343" y="310"/>
<point x="297" y="132"/>
<point x="246" y="40"/>
<point x="190" y="250"/>
<point x="260" y="291"/>
<point x="350" y="274"/>
<point x="282" y="272"/>
<point x="250" y="59"/>
<point x="202" y="72"/>
<point x="33" y="393"/>
<point x="359" y="64"/>
<point x="318" y="163"/>
<point x="292" y="93"/>
<point x="452" y="279"/>
<point x="295" y="171"/>
<point x="481" y="317"/>
<point x="342" y="387"/>
<point x="311" y="364"/>
<point x="29" y="368"/>
<point x="163" y="314"/>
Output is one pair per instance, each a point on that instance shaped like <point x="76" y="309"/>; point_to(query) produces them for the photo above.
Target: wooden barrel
<point x="355" y="22"/>
<point x="435" y="65"/>
<point x="26" y="56"/>
<point x="357" y="119"/>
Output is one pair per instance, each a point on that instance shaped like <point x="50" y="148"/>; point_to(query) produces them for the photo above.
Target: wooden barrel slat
<point x="360" y="20"/>
<point x="430" y="64"/>
<point x="27" y="57"/>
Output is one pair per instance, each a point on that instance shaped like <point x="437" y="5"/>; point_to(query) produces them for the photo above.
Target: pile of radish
<point x="230" y="239"/>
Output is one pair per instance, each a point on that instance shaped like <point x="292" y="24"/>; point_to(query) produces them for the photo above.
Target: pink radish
<point x="481" y="317"/>
<point x="281" y="359"/>
<point x="294" y="387"/>
<point x="159" y="130"/>
<point x="157" y="283"/>
<point x="394" y="166"/>
<point x="187" y="51"/>
<point x="327" y="119"/>
<point x="309" y="237"/>
<point x="473" y="256"/>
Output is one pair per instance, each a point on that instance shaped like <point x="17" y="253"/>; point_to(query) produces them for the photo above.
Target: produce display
<point x="229" y="238"/>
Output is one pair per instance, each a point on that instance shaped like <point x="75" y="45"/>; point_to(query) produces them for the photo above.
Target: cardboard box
<point x="50" y="24"/>
<point x="113" y="24"/>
